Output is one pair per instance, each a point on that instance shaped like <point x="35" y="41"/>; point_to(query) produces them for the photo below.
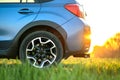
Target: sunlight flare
<point x="103" y="17"/>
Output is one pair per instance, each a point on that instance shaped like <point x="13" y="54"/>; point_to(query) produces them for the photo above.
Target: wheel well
<point x="46" y="28"/>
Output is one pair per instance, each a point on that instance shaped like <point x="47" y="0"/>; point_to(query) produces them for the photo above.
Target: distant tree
<point x="111" y="48"/>
<point x="114" y="42"/>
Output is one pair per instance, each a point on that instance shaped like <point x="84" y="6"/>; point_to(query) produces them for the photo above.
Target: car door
<point x="14" y="15"/>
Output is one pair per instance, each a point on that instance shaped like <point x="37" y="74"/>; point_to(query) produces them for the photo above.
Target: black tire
<point x="41" y="47"/>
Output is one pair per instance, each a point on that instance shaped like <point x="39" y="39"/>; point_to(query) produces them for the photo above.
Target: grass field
<point x="70" y="69"/>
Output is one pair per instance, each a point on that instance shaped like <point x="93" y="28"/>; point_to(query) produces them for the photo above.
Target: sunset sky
<point x="103" y="17"/>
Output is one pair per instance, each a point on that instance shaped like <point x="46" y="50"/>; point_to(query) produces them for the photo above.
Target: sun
<point x="103" y="17"/>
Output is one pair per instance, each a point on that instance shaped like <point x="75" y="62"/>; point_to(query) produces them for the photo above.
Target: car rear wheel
<point x="41" y="49"/>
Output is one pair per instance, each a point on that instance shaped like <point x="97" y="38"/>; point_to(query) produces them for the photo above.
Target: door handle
<point x="25" y="11"/>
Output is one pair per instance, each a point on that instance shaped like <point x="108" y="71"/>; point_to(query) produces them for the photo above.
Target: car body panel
<point x="75" y="33"/>
<point x="17" y="18"/>
<point x="11" y="21"/>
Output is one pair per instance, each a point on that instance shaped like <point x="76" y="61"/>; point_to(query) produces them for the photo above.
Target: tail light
<point x="87" y="30"/>
<point x="76" y="9"/>
<point x="87" y="37"/>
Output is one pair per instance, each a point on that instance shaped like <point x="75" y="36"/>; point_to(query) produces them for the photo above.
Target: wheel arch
<point x="44" y="25"/>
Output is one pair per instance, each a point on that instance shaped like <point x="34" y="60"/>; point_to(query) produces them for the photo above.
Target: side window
<point x="28" y="1"/>
<point x="9" y="1"/>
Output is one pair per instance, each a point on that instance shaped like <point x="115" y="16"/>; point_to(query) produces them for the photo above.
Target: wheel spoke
<point x="32" y="46"/>
<point x="40" y="44"/>
<point x="40" y="40"/>
<point x="32" y="59"/>
<point x="44" y="42"/>
<point x="52" y="52"/>
<point x="42" y="64"/>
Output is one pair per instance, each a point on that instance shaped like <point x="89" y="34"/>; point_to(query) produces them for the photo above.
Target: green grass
<point x="71" y="69"/>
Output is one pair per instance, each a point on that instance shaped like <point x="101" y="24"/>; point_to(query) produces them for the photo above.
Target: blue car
<point x="43" y="32"/>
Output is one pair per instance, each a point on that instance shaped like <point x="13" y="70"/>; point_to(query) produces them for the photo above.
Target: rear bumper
<point x="78" y="36"/>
